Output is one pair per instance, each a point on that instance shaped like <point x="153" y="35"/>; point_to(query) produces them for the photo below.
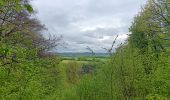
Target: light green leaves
<point x="17" y="5"/>
<point x="1" y="2"/>
<point x="28" y="7"/>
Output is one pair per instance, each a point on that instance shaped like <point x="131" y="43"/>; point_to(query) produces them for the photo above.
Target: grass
<point x="73" y="82"/>
<point x="70" y="61"/>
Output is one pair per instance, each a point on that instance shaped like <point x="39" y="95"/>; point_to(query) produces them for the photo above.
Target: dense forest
<point x="137" y="70"/>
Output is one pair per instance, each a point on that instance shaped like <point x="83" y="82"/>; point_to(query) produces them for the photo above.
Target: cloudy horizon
<point x="93" y="23"/>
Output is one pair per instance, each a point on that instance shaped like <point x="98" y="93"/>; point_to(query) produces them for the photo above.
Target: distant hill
<point x="70" y="54"/>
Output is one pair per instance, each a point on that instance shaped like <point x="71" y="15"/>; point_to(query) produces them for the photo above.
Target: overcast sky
<point x="83" y="23"/>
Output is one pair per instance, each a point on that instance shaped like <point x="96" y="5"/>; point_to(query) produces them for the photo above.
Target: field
<point x="84" y="59"/>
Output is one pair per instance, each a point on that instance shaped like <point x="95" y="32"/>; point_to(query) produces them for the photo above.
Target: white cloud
<point x="83" y="23"/>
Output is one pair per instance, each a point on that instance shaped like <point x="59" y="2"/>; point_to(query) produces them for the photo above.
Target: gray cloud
<point x="83" y="23"/>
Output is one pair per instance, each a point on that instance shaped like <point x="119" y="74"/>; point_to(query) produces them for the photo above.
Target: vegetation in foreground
<point x="139" y="70"/>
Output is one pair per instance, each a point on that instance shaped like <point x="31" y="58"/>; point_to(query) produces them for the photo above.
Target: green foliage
<point x="138" y="70"/>
<point x="28" y="7"/>
<point x="73" y="72"/>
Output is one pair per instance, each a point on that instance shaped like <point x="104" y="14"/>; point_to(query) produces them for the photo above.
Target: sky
<point x="92" y="23"/>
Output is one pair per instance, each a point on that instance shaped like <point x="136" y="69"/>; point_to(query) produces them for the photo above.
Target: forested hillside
<point x="138" y="70"/>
